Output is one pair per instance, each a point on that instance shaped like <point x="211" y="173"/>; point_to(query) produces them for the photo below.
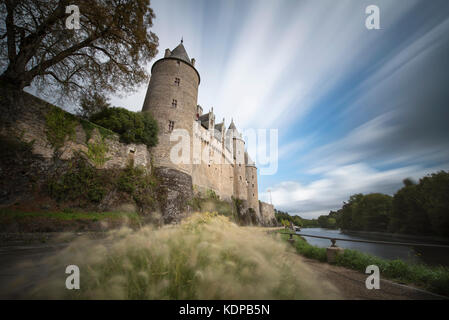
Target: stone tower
<point x="238" y="147"/>
<point x="172" y="99"/>
<point x="251" y="178"/>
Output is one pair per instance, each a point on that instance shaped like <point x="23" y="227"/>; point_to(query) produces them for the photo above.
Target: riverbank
<point x="351" y="284"/>
<point x="434" y="279"/>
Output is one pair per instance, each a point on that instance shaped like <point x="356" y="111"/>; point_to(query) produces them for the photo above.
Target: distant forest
<point x="417" y="208"/>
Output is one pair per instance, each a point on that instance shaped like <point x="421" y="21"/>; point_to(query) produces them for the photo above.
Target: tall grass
<point x="205" y="257"/>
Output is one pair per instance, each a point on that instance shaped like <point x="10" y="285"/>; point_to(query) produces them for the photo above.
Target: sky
<point x="357" y="110"/>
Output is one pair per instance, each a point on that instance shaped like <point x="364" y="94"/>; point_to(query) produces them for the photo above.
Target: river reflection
<point x="414" y="254"/>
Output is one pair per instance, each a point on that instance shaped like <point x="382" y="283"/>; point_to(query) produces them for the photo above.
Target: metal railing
<point x="334" y="240"/>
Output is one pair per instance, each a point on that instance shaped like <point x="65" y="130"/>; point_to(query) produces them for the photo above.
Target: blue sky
<point x="357" y="110"/>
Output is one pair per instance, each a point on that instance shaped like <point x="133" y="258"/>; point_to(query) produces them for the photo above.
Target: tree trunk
<point x="15" y="79"/>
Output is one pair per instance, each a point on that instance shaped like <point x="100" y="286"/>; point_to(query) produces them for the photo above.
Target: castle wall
<point x="267" y="216"/>
<point x="215" y="171"/>
<point x="162" y="90"/>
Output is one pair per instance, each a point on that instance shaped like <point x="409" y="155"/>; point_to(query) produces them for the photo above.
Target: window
<point x="253" y="185"/>
<point x="240" y="178"/>
<point x="174" y="103"/>
<point x="171" y="125"/>
<point x="177" y="81"/>
<point x="178" y="62"/>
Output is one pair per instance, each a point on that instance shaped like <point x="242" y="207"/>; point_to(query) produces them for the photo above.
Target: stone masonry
<point x="216" y="159"/>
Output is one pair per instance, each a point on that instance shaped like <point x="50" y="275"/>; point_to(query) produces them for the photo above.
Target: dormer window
<point x="171" y="125"/>
<point x="174" y="103"/>
<point x="177" y="81"/>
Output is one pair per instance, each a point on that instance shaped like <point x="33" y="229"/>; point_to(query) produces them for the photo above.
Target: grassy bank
<point x="434" y="279"/>
<point x="67" y="220"/>
<point x="205" y="257"/>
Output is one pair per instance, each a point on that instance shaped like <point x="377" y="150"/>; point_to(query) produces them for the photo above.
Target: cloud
<point x="357" y="110"/>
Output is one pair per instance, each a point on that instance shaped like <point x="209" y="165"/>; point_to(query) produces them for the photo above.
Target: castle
<point x="216" y="158"/>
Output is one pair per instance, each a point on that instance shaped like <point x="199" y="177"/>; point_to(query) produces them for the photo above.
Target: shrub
<point x="81" y="182"/>
<point x="133" y="127"/>
<point x="307" y="250"/>
<point x="96" y="151"/>
<point x="13" y="147"/>
<point x="91" y="104"/>
<point x="139" y="184"/>
<point x="60" y="124"/>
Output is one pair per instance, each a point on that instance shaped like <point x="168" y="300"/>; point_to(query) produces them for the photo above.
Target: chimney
<point x="167" y="53"/>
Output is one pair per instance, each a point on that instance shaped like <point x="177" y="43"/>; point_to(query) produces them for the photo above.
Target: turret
<point x="238" y="145"/>
<point x="251" y="178"/>
<point x="172" y="99"/>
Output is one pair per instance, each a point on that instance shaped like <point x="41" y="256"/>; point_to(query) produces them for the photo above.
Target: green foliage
<point x="109" y="53"/>
<point x="133" y="127"/>
<point x="285" y="223"/>
<point x="307" y="250"/>
<point x="369" y="212"/>
<point x="140" y="184"/>
<point x="421" y="209"/>
<point x="211" y="194"/>
<point x="435" y="279"/>
<point x="409" y="215"/>
<point x="89" y="128"/>
<point x="296" y="220"/>
<point x="81" y="182"/>
<point x="97" y="150"/>
<point x="60" y="124"/>
<point x="13" y="147"/>
<point x="91" y="104"/>
<point x="66" y="214"/>
<point x="213" y="204"/>
<point x="434" y="191"/>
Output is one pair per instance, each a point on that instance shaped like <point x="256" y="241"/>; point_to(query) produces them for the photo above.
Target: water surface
<point x="414" y="254"/>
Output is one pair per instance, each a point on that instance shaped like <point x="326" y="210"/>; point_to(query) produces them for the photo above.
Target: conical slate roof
<point x="180" y="53"/>
<point x="232" y="125"/>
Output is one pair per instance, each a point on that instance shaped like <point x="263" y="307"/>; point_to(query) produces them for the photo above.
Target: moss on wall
<point x="60" y="124"/>
<point x="97" y="150"/>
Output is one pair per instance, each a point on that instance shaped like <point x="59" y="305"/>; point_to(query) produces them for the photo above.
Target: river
<point x="413" y="254"/>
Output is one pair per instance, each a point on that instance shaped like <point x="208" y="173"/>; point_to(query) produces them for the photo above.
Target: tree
<point x="108" y="52"/>
<point x="369" y="212"/>
<point x="91" y="104"/>
<point x="133" y="127"/>
<point x="409" y="215"/>
<point x="435" y="191"/>
<point x="375" y="211"/>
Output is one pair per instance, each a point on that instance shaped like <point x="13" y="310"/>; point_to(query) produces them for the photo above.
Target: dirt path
<point x="351" y="284"/>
